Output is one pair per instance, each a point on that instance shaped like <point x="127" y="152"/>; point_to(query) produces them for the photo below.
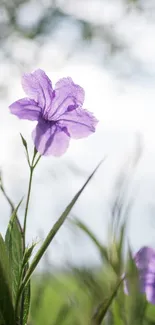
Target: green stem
<point x="37" y="161"/>
<point x="11" y="205"/>
<point x="29" y="192"/>
<point x="27" y="201"/>
<point x="32" y="167"/>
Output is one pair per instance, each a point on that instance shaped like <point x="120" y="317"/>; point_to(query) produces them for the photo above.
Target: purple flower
<point x="145" y="263"/>
<point x="59" y="112"/>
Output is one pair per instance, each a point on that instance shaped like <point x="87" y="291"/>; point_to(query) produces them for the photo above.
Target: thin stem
<point x="32" y="167"/>
<point x="11" y="206"/>
<point x="7" y="198"/>
<point x="28" y="199"/>
<point x="36" y="162"/>
<point x="29" y="192"/>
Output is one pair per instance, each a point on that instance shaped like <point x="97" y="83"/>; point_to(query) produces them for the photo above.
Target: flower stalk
<point x="32" y="167"/>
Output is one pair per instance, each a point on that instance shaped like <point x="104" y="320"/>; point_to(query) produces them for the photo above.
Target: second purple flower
<point x="145" y="263"/>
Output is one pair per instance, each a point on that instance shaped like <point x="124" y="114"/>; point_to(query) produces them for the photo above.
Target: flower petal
<point x="38" y="87"/>
<point x="150" y="287"/>
<point x="50" y="139"/>
<point x="68" y="96"/>
<point x="144" y="256"/>
<point x="79" y="123"/>
<point x="145" y="262"/>
<point x="26" y="108"/>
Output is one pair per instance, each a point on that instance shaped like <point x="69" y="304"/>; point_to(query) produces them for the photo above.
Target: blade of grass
<point x="94" y="239"/>
<point x="104" y="306"/>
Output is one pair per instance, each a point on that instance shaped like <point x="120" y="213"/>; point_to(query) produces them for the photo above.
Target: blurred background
<point x="108" y="48"/>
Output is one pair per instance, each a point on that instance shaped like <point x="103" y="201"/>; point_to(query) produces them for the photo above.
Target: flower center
<point x="47" y="122"/>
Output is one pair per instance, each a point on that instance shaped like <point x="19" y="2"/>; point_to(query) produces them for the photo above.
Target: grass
<point x="96" y="297"/>
<point x="52" y="296"/>
<point x="63" y="299"/>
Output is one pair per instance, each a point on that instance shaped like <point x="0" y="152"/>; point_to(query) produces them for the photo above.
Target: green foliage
<point x="24" y="142"/>
<point x="98" y="294"/>
<point x="26" y="148"/>
<point x="18" y="257"/>
<point x="26" y="303"/>
<point x="89" y="233"/>
<point x="63" y="313"/>
<point x="14" y="244"/>
<point x="27" y="254"/>
<point x="54" y="230"/>
<point x="7" y="316"/>
<point x="82" y="296"/>
<point x="26" y="296"/>
<point x="136" y="302"/>
<point x="103" y="308"/>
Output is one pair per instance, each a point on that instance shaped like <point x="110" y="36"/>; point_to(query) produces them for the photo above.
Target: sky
<point x="120" y="91"/>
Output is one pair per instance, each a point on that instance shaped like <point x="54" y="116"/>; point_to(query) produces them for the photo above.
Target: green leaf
<point x="25" y="146"/>
<point x="104" y="306"/>
<point x="26" y="295"/>
<point x="6" y="303"/>
<point x="28" y="253"/>
<point x="14" y="244"/>
<point x="24" y="141"/>
<point x="132" y="275"/>
<point x="121" y="242"/>
<point x="63" y="313"/>
<point x="136" y="301"/>
<point x="136" y="305"/>
<point x="26" y="303"/>
<point x="101" y="248"/>
<point x="54" y="231"/>
<point x="117" y="313"/>
<point x="89" y="281"/>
